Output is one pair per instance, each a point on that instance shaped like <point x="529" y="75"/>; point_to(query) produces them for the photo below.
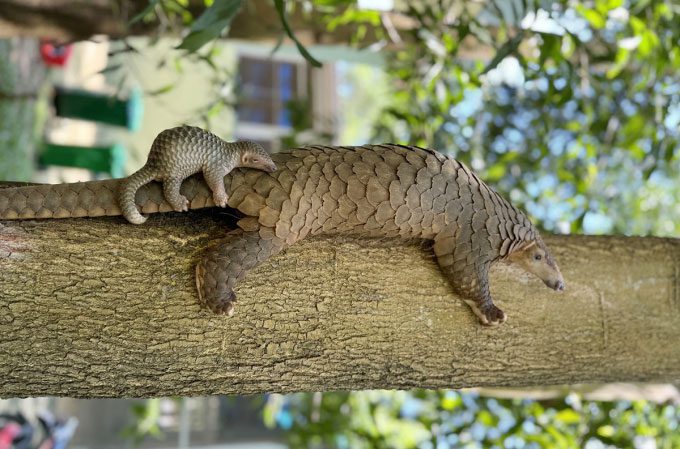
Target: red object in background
<point x="8" y="433"/>
<point x="55" y="54"/>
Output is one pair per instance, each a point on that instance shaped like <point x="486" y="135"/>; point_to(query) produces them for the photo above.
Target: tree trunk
<point x="66" y="20"/>
<point x="69" y="20"/>
<point x="102" y="308"/>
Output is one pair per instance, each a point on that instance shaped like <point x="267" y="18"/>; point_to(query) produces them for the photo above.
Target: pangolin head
<point x="535" y="258"/>
<point x="254" y="156"/>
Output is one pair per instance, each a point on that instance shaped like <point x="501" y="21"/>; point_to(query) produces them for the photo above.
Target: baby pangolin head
<point x="535" y="258"/>
<point x="254" y="156"/>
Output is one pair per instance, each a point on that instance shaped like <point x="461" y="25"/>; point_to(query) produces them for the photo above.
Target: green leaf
<point x="219" y="11"/>
<point x="663" y="10"/>
<point x="451" y="401"/>
<point x="508" y="48"/>
<point x="568" y="416"/>
<point x="495" y="172"/>
<point x="592" y="16"/>
<point x="550" y="48"/>
<point x="486" y="418"/>
<point x="568" y="46"/>
<point x="638" y="25"/>
<point x="354" y="16"/>
<point x="152" y="4"/>
<point x="210" y="25"/>
<point x="215" y="109"/>
<point x="606" y="431"/>
<point x="480" y="32"/>
<point x="622" y="58"/>
<point x="639" y="6"/>
<point x="110" y="68"/>
<point x="648" y="43"/>
<point x="613" y="4"/>
<point x="281" y="10"/>
<point x="162" y="90"/>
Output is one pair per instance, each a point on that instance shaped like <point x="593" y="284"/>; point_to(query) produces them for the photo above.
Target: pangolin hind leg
<point x="468" y="276"/>
<point x="178" y="201"/>
<point x="128" y="190"/>
<point x="225" y="264"/>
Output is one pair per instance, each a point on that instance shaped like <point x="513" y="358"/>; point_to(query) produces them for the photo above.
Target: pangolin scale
<point x="372" y="190"/>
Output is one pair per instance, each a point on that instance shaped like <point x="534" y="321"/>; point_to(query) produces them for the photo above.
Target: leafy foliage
<point x="211" y="24"/>
<point x="449" y="419"/>
<point x="302" y="130"/>
<point x="281" y="10"/>
<point x="146" y="425"/>
<point x="577" y="106"/>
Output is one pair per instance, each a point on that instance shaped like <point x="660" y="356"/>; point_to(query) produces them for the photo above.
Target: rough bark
<point x="66" y="20"/>
<point x="69" y="20"/>
<point x="101" y="308"/>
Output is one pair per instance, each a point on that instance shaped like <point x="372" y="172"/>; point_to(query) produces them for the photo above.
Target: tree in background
<point x="448" y="419"/>
<point x="575" y="113"/>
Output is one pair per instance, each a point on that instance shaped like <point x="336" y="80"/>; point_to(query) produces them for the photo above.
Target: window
<point x="266" y="86"/>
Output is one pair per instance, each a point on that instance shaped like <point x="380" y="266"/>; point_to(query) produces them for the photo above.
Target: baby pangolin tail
<point x="128" y="189"/>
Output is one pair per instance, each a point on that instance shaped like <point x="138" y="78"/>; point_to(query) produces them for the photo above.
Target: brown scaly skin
<point x="178" y="153"/>
<point x="374" y="190"/>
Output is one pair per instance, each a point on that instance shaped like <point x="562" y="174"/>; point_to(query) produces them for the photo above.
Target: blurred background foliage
<point x="448" y="419"/>
<point x="574" y="112"/>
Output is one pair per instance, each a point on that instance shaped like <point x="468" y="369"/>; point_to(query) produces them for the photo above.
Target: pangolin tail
<point x="128" y="189"/>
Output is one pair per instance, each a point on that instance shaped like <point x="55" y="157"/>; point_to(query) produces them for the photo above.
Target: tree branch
<point x="68" y="20"/>
<point x="101" y="308"/>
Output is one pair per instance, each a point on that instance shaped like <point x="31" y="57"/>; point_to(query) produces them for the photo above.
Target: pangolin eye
<point x="537" y="257"/>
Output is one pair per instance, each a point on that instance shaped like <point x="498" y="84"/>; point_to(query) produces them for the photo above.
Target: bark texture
<point x="70" y="20"/>
<point x="99" y="308"/>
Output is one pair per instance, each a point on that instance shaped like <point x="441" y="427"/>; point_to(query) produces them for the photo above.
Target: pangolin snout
<point x="557" y="285"/>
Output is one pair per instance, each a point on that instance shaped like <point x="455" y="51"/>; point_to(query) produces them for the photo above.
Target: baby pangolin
<point x="178" y="153"/>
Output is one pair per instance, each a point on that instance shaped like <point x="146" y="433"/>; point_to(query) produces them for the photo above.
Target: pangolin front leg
<point x="468" y="273"/>
<point x="473" y="285"/>
<point x="214" y="177"/>
<point x="225" y="264"/>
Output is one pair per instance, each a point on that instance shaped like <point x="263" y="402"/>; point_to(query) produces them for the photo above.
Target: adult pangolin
<point x="372" y="190"/>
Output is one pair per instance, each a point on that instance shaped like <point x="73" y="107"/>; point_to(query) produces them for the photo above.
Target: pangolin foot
<point x="223" y="305"/>
<point x="180" y="205"/>
<point x="212" y="294"/>
<point x="220" y="200"/>
<point x="492" y="315"/>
